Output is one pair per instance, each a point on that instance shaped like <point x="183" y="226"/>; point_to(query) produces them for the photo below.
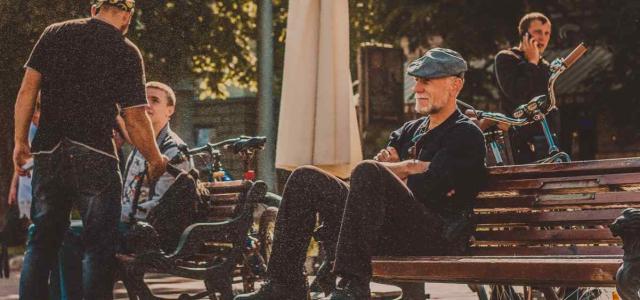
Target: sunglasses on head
<point x="126" y="5"/>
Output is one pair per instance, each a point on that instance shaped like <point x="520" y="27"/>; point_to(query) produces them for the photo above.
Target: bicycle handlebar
<point x="502" y="118"/>
<point x="575" y="55"/>
<point x="236" y="145"/>
<point x="558" y="66"/>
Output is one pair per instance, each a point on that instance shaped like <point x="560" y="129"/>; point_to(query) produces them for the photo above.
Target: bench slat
<point x="608" y="198"/>
<point x="222" y="212"/>
<point x="582" y="217"/>
<point x="223" y="199"/>
<point x="576" y="168"/>
<point x="581" y="200"/>
<point x="222" y="187"/>
<point x="575" y="182"/>
<point x="552" y="236"/>
<point x="540" y="271"/>
<point x="546" y="250"/>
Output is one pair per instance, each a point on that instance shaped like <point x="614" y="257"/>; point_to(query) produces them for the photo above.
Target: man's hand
<point x="530" y="49"/>
<point x="389" y="154"/>
<point x="21" y="154"/>
<point x="157" y="168"/>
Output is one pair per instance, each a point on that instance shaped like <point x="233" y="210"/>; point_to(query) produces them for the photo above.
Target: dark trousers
<point x="376" y="214"/>
<point x="73" y="174"/>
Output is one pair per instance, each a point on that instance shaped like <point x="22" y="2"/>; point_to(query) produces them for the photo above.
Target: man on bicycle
<point x="414" y="199"/>
<point x="521" y="74"/>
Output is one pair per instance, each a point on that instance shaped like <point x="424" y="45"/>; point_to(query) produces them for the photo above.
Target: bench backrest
<point x="223" y="200"/>
<point x="555" y="209"/>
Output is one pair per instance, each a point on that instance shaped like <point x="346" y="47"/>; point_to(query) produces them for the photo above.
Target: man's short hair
<point x="171" y="96"/>
<point x="526" y="20"/>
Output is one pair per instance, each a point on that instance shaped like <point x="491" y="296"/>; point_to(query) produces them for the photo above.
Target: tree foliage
<point x="214" y="42"/>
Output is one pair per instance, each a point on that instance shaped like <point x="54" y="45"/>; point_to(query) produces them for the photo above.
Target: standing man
<point x="441" y="159"/>
<point x="521" y="74"/>
<point x="85" y="69"/>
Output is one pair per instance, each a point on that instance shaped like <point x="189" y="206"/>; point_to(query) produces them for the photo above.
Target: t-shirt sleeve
<point x="41" y="51"/>
<point x="129" y="82"/>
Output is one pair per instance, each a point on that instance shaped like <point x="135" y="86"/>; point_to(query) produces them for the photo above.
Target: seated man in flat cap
<point x="415" y="198"/>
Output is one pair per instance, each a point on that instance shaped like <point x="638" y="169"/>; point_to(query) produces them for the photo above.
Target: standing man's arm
<point x="143" y="138"/>
<point x="25" y="104"/>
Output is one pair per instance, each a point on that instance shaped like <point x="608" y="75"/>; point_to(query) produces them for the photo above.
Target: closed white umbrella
<point x="318" y="124"/>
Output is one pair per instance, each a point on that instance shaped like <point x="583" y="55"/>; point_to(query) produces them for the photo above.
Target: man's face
<point x="541" y="33"/>
<point x="433" y="94"/>
<point x="159" y="109"/>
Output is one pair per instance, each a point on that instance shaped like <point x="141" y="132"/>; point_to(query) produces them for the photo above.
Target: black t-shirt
<point x="456" y="151"/>
<point x="88" y="67"/>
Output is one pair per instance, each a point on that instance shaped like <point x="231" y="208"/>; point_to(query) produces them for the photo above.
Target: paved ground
<point x="172" y="287"/>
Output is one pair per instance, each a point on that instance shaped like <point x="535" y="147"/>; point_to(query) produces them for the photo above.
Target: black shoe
<point x="274" y="291"/>
<point x="325" y="280"/>
<point x="354" y="289"/>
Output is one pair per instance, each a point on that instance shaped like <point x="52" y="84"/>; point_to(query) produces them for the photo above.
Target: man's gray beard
<point x="430" y="110"/>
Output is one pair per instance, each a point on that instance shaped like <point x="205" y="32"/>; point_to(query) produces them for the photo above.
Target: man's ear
<point x="130" y="16"/>
<point x="457" y="83"/>
<point x="94" y="10"/>
<point x="126" y="17"/>
<point x="172" y="109"/>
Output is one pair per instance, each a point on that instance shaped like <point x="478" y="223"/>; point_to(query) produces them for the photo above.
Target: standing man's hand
<point x="155" y="169"/>
<point x="21" y="154"/>
<point x="389" y="154"/>
<point x="530" y="49"/>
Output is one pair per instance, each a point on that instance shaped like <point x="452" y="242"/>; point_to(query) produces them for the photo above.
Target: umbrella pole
<point x="266" y="120"/>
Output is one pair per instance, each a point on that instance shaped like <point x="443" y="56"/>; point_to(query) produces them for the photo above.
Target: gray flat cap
<point x="438" y="62"/>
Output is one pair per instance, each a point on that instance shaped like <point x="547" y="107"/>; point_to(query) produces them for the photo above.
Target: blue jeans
<point x="73" y="175"/>
<point x="69" y="269"/>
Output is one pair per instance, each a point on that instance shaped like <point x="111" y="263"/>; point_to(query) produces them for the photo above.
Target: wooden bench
<point x="538" y="225"/>
<point x="213" y="251"/>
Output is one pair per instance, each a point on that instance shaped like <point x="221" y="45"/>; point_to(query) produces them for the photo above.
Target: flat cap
<point x="438" y="62"/>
